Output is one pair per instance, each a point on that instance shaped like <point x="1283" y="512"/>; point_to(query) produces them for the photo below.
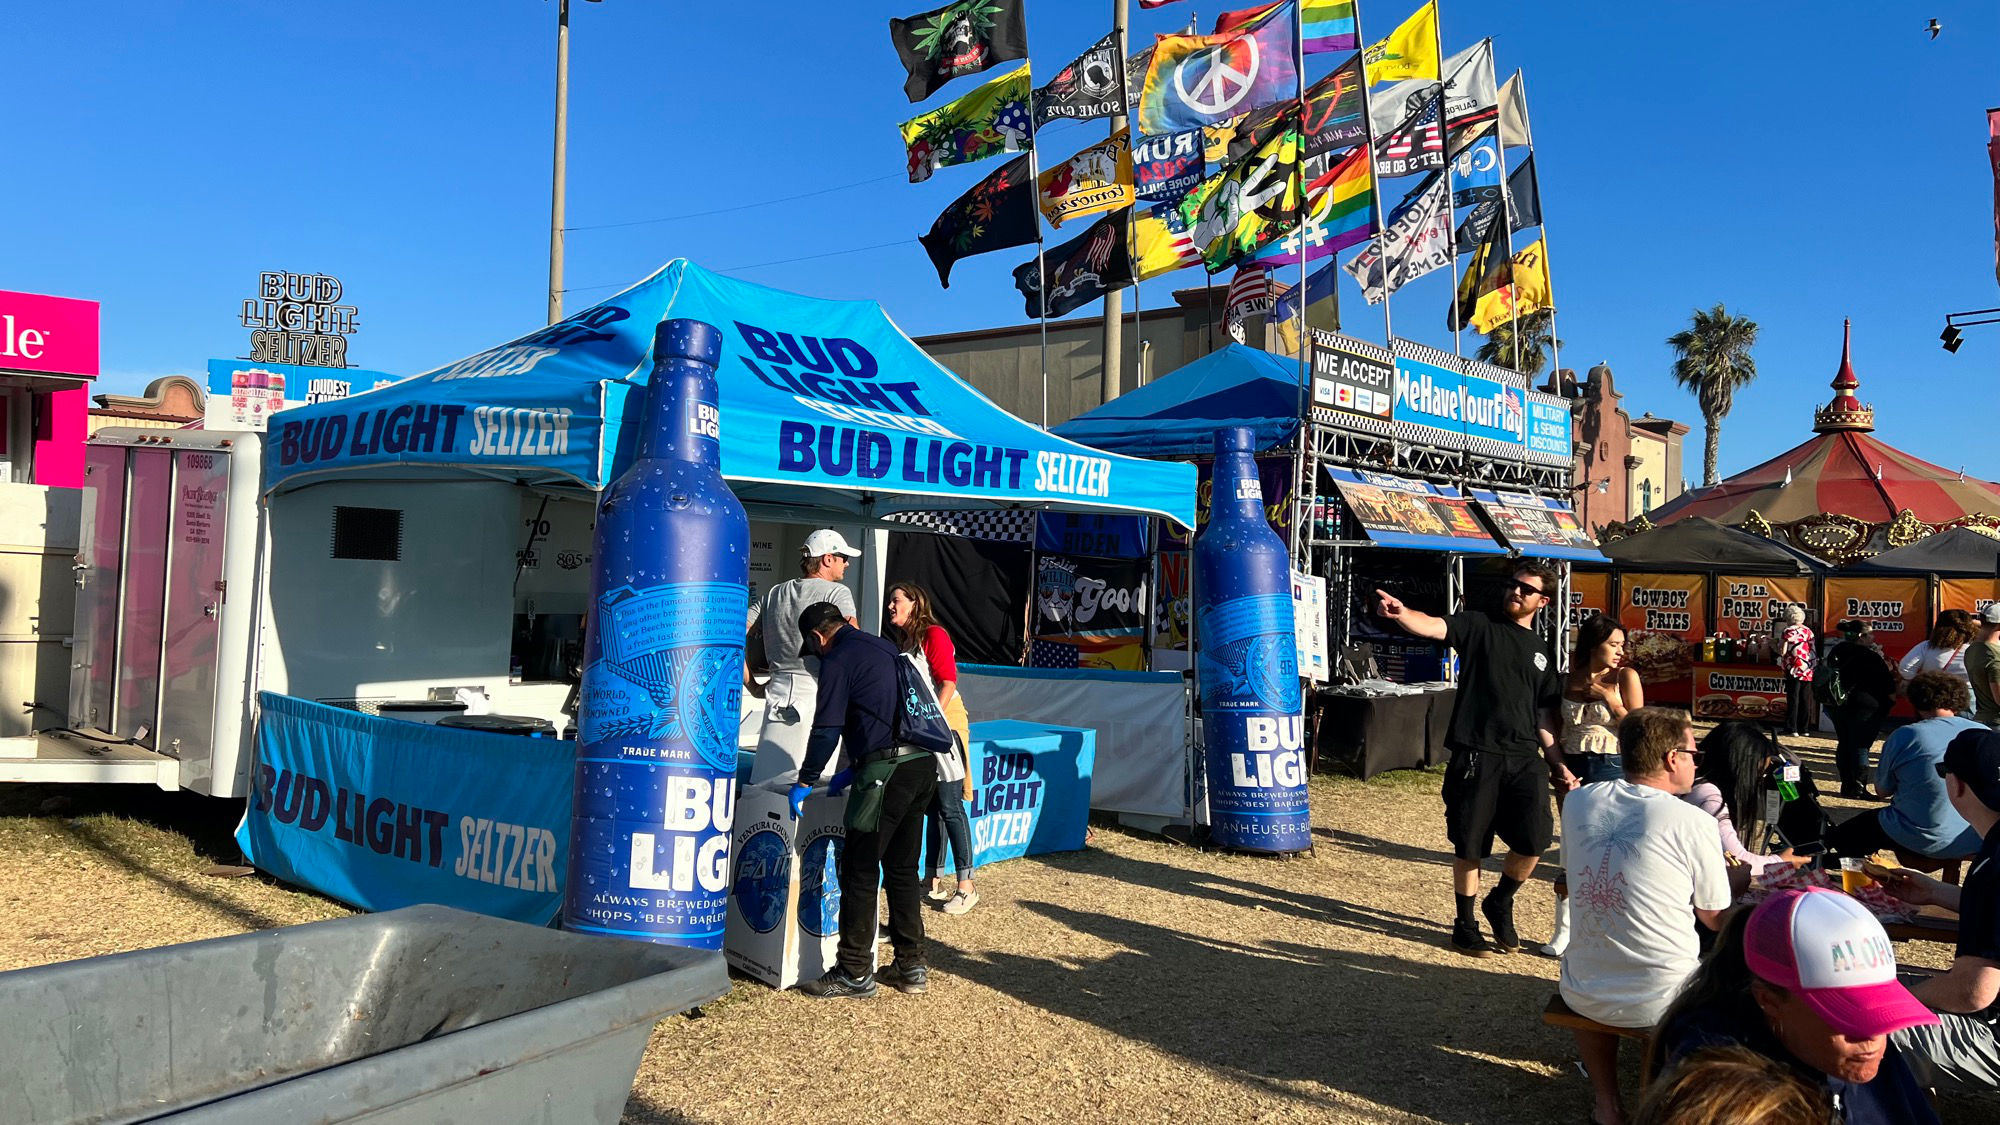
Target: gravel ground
<point x="1133" y="980"/>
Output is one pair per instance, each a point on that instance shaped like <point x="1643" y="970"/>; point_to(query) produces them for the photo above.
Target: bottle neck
<point x="681" y="420"/>
<point x="1238" y="491"/>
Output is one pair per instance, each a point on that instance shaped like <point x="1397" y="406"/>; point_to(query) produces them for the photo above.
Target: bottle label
<point x="1249" y="661"/>
<point x="668" y="681"/>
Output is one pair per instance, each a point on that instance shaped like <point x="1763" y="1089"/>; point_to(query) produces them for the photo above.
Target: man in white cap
<point x="792" y="693"/>
<point x="1982" y="666"/>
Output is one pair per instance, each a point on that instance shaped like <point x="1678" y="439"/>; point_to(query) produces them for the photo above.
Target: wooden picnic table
<point x="1929" y="924"/>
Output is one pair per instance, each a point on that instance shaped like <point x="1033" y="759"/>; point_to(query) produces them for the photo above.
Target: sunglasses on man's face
<point x="1523" y="588"/>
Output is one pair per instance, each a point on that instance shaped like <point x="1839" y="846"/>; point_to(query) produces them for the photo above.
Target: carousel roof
<point x="1842" y="469"/>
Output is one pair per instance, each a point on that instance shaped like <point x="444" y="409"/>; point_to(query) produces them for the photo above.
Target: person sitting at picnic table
<point x="1729" y="786"/>
<point x="1733" y="1086"/>
<point x="1961" y="1046"/>
<point x="1919" y="818"/>
<point x="1808" y="979"/>
<point x="1643" y="865"/>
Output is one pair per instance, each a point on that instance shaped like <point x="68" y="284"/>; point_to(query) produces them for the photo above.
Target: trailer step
<point x="58" y="757"/>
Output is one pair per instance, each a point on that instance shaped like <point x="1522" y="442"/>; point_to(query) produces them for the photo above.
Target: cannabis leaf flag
<point x="997" y="213"/>
<point x="960" y="38"/>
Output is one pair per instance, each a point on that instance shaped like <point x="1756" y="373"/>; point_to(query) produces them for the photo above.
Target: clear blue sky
<point x="1808" y="162"/>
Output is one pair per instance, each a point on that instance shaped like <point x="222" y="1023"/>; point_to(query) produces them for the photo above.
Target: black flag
<point x="1524" y="195"/>
<point x="960" y="38"/>
<point x="997" y="213"/>
<point x="1090" y="87"/>
<point x="1081" y="270"/>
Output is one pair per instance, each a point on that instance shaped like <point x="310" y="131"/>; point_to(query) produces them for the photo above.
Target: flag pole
<point x="1112" y="378"/>
<point x="1301" y="437"/>
<point x="1041" y="259"/>
<point x="1548" y="267"/>
<point x="1374" y="182"/>
<point x="1444" y="139"/>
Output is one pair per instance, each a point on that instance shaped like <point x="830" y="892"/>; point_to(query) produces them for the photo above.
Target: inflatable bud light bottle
<point x="1248" y="665"/>
<point x="663" y="670"/>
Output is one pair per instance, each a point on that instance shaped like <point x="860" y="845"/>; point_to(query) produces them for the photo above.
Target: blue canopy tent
<point x="1178" y="414"/>
<point x="827" y="409"/>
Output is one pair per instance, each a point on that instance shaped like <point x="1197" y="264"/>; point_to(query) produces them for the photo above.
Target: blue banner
<point x="1549" y="426"/>
<point x="383" y="813"/>
<point x="816" y="395"/>
<point x="1441" y="398"/>
<point x="1030" y="789"/>
<point x="1100" y="537"/>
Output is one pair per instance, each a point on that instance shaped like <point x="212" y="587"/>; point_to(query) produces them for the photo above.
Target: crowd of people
<point x="1757" y="1004"/>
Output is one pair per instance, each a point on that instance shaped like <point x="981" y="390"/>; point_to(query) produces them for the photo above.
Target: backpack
<point x="918" y="720"/>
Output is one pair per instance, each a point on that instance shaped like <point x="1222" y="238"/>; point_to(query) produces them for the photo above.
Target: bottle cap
<point x="682" y="338"/>
<point x="1236" y="439"/>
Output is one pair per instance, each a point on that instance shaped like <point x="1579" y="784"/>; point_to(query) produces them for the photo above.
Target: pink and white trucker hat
<point x="1826" y="947"/>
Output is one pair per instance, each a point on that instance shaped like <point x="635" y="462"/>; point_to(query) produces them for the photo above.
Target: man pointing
<point x="1503" y="747"/>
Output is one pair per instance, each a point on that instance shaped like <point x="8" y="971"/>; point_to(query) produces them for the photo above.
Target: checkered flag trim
<point x="999" y="525"/>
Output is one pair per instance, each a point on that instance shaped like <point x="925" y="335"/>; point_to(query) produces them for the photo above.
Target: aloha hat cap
<point x="1826" y="947"/>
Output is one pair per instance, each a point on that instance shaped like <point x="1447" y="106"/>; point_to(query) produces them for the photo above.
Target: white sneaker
<point x="1560" y="941"/>
<point x="961" y="902"/>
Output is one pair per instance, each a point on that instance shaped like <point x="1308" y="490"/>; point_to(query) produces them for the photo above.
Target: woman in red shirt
<point x="914" y="629"/>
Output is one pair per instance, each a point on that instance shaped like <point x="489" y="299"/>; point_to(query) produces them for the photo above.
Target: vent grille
<point x="374" y="534"/>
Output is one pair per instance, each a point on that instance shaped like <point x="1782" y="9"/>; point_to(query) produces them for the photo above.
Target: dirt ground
<point x="1133" y="980"/>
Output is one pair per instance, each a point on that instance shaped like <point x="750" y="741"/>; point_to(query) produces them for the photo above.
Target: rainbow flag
<point x="1340" y="209"/>
<point x="1324" y="25"/>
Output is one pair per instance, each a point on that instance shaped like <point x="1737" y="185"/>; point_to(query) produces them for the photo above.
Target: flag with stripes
<point x="1415" y="145"/>
<point x="1161" y="241"/>
<point x="1249" y="293"/>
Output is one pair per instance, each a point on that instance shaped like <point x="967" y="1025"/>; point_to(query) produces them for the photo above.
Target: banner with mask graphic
<point x="1099" y="607"/>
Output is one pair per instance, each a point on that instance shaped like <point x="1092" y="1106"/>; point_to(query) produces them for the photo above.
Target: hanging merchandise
<point x="1094" y="181"/>
<point x="1090" y="87"/>
<point x="997" y="213"/>
<point x="960" y="38"/>
<point x="1208" y="79"/>
<point x="1079" y="271"/>
<point x="663" y="668"/>
<point x="986" y="122"/>
<point x="1247" y="666"/>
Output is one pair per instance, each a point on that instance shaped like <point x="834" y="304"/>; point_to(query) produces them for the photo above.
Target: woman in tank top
<point x="1599" y="691"/>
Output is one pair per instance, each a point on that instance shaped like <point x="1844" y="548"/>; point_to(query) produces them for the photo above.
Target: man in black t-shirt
<point x="1503" y="747"/>
<point x="1964" y="1045"/>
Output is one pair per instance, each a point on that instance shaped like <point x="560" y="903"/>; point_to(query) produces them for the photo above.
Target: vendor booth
<point x="424" y="549"/>
<point x="1407" y="464"/>
<point x="1680" y="589"/>
<point x="1962" y="566"/>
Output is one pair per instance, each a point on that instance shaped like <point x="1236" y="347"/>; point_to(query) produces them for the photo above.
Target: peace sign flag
<point x="1204" y="79"/>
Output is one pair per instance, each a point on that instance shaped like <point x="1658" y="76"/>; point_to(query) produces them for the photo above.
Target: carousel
<point x="1844" y="494"/>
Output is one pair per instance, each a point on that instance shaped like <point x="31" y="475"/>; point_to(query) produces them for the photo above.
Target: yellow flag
<point x="1160" y="242"/>
<point x="1095" y="180"/>
<point x="1410" y="51"/>
<point x="1527" y="290"/>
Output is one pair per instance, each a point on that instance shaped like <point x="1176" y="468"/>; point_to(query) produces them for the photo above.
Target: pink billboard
<point x="57" y="335"/>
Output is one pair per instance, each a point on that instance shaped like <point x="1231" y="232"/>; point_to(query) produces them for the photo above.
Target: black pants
<point x="887" y="858"/>
<point x="1857" y="722"/>
<point x="1798" y="705"/>
<point x="1859" y="836"/>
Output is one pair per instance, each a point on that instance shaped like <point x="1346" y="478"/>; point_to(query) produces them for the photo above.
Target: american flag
<point x="1051" y="654"/>
<point x="1416" y="145"/>
<point x="1251" y="283"/>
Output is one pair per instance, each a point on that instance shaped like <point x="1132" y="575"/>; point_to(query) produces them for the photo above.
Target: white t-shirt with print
<point x="1640" y="861"/>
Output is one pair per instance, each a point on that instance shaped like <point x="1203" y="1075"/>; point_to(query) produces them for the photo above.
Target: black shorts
<point x="1488" y="794"/>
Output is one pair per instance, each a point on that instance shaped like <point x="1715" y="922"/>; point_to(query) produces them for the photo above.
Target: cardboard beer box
<point x="784" y="894"/>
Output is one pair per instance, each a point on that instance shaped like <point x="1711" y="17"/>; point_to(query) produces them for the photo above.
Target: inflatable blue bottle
<point x="663" y="670"/>
<point x="1248" y="664"/>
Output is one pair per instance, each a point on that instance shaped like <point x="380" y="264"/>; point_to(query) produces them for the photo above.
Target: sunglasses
<point x="1524" y="589"/>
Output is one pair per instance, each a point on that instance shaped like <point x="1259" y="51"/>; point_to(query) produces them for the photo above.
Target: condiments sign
<point x="298" y="318"/>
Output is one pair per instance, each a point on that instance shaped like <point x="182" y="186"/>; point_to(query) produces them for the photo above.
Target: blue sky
<point x="1813" y="162"/>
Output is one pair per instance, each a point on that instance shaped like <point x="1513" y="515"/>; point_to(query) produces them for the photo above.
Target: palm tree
<point x="1712" y="359"/>
<point x="1537" y="332"/>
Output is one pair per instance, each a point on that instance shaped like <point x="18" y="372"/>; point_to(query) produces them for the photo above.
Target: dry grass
<point x="1133" y="980"/>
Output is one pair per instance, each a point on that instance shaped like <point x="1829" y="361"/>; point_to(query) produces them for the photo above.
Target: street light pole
<point x="562" y="142"/>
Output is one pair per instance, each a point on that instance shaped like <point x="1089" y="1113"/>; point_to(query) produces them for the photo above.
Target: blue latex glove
<point x="798" y="799"/>
<point x="839" y="781"/>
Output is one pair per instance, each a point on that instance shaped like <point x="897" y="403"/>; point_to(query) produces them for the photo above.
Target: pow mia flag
<point x="1094" y="263"/>
<point x="1091" y="86"/>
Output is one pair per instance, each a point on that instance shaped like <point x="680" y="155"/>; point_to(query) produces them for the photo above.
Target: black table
<point x="1369" y="734"/>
